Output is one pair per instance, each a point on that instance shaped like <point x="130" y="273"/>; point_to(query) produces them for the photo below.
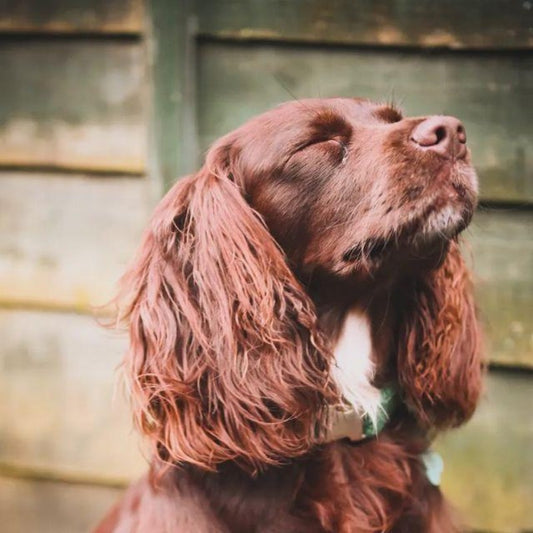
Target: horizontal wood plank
<point x="502" y="250"/>
<point x="65" y="240"/>
<point x="58" y="410"/>
<point x="47" y="507"/>
<point x="488" y="464"/>
<point x="454" y="24"/>
<point x="73" y="105"/>
<point x="489" y="92"/>
<point x="65" y="16"/>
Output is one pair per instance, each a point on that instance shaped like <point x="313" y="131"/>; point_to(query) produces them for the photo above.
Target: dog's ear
<point x="439" y="354"/>
<point x="225" y="359"/>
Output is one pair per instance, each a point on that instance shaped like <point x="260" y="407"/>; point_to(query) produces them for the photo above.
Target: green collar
<point x="388" y="401"/>
<point x="344" y="421"/>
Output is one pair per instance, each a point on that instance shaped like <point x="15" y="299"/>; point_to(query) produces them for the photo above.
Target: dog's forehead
<point x="313" y="110"/>
<point x="354" y="110"/>
<point x="281" y="130"/>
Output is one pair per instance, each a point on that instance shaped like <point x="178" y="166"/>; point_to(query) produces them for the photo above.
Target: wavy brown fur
<point x="235" y="301"/>
<point x="438" y="353"/>
<point x="225" y="360"/>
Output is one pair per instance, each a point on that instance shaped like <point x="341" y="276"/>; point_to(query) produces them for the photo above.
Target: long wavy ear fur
<point x="225" y="359"/>
<point x="439" y="357"/>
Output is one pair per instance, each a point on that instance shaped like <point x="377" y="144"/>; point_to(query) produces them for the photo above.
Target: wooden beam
<point x="489" y="92"/>
<point x="75" y="105"/>
<point x="503" y="262"/>
<point x="49" y="507"/>
<point x="487" y="463"/>
<point x="65" y="240"/>
<point x="99" y="17"/>
<point x="478" y="24"/>
<point x="57" y="409"/>
<point x="173" y="109"/>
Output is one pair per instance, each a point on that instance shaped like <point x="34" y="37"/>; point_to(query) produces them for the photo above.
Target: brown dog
<point x="303" y="292"/>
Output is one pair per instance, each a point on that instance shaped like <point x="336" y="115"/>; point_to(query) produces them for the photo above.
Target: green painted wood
<point x="502" y="248"/>
<point x="58" y="410"/>
<point x="73" y="105"/>
<point x="173" y="112"/>
<point x="455" y="24"/>
<point x="47" y="507"/>
<point x="66" y="16"/>
<point x="65" y="240"/>
<point x="490" y="92"/>
<point x="54" y="256"/>
<point x="488" y="464"/>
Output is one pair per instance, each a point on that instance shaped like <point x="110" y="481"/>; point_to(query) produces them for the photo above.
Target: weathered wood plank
<point x="65" y="16"/>
<point x="488" y="464"/>
<point x="77" y="104"/>
<point x="454" y="24"/>
<point x="57" y="409"/>
<point x="47" y="507"/>
<point x="490" y="92"/>
<point x="65" y="240"/>
<point x="502" y="247"/>
<point x="173" y="130"/>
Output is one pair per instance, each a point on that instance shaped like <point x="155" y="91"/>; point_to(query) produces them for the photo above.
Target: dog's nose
<point x="443" y="135"/>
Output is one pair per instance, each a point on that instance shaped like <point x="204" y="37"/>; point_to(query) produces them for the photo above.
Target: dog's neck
<point x="355" y="365"/>
<point x="360" y="327"/>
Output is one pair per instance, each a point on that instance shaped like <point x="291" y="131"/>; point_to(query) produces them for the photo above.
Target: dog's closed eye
<point x="336" y="148"/>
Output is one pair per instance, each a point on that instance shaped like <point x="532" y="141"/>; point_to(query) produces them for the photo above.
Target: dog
<point x="302" y="324"/>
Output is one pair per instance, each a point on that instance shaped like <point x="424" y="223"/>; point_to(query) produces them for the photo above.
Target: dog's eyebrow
<point x="326" y="123"/>
<point x="388" y="113"/>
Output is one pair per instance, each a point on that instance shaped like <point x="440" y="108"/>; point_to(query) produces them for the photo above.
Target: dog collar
<point x="345" y="421"/>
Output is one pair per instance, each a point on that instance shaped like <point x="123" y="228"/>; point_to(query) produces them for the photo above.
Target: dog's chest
<point x="354" y="368"/>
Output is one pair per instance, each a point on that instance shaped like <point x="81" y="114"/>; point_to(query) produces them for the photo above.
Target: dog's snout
<point x="441" y="134"/>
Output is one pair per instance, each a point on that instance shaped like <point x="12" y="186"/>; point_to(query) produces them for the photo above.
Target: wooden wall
<point x="104" y="103"/>
<point x="74" y="198"/>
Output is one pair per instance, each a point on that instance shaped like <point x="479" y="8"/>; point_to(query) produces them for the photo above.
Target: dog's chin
<point x="422" y="238"/>
<point x="440" y="225"/>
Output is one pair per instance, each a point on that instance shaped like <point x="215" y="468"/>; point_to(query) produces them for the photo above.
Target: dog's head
<point x="343" y="184"/>
<point x="227" y="361"/>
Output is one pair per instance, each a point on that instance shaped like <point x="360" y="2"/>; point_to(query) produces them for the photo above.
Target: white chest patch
<point x="354" y="368"/>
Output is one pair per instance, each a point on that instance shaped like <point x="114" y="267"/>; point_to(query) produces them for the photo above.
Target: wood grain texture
<point x="47" y="507"/>
<point x="488" y="464"/>
<point x="65" y="240"/>
<point x="502" y="246"/>
<point x="490" y="92"/>
<point x="454" y="24"/>
<point x="57" y="407"/>
<point x="173" y="131"/>
<point x="66" y="16"/>
<point x="73" y="105"/>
